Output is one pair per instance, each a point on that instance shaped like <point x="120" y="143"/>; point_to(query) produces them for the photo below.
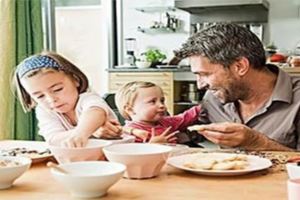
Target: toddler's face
<point x="149" y="105"/>
<point x="52" y="90"/>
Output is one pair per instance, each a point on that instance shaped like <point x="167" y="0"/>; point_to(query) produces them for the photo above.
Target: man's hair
<point x="126" y="95"/>
<point x="225" y="43"/>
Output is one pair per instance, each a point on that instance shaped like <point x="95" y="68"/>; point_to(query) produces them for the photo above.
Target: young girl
<point x="143" y="105"/>
<point x="67" y="111"/>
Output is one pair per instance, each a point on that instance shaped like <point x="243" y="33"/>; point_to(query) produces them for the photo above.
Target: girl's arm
<point x="89" y="121"/>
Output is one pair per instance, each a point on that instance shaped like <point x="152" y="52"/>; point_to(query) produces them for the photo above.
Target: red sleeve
<point x="185" y="119"/>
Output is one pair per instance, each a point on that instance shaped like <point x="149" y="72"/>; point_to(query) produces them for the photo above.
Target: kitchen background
<point x="85" y="35"/>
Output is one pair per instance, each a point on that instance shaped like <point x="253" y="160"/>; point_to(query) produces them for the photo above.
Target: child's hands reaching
<point x="110" y="130"/>
<point x="165" y="137"/>
<point x="75" y="141"/>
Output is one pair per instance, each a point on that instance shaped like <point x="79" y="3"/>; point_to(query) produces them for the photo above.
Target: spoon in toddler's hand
<point x="56" y="167"/>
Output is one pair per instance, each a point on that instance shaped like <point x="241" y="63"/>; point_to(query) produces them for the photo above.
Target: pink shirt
<point x="178" y="122"/>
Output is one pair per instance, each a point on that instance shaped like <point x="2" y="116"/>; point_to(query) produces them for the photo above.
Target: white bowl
<point x="142" y="160"/>
<point x="142" y="64"/>
<point x="91" y="152"/>
<point x="293" y="170"/>
<point x="89" y="179"/>
<point x="9" y="174"/>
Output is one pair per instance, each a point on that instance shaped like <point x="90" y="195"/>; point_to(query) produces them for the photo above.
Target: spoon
<point x="56" y="167"/>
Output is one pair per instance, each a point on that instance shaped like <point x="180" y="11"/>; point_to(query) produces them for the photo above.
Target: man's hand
<point x="111" y="129"/>
<point x="165" y="137"/>
<point x="228" y="134"/>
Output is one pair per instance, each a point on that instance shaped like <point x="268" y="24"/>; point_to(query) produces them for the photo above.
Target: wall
<point x="284" y="23"/>
<point x="283" y="27"/>
<point x="166" y="42"/>
<point x="82" y="38"/>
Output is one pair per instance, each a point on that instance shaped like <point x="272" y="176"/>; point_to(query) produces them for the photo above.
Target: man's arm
<point x="239" y="135"/>
<point x="260" y="142"/>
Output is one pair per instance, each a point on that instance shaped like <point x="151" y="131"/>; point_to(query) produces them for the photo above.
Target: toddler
<point x="142" y="104"/>
<point x="66" y="110"/>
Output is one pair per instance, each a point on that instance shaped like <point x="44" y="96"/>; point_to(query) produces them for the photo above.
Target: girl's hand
<point x="165" y="137"/>
<point x="110" y="130"/>
<point x="75" y="141"/>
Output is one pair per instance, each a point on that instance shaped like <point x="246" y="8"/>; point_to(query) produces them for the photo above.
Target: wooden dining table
<point x="172" y="183"/>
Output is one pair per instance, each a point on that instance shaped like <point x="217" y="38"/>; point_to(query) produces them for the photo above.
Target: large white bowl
<point x="9" y="174"/>
<point x="91" y="152"/>
<point x="293" y="170"/>
<point x="142" y="160"/>
<point x="89" y="179"/>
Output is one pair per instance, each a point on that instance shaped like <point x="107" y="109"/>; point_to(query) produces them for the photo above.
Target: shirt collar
<point x="283" y="87"/>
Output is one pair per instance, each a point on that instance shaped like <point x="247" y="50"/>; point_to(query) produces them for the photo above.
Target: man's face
<point x="222" y="82"/>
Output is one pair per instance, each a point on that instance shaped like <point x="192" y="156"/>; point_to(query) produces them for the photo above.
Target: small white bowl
<point x="9" y="174"/>
<point x="91" y="152"/>
<point x="142" y="64"/>
<point x="293" y="170"/>
<point x="89" y="179"/>
<point x="142" y="160"/>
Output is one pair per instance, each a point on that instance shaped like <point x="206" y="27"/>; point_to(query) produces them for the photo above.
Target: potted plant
<point x="154" y="56"/>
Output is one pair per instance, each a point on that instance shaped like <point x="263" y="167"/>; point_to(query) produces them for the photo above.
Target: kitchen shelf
<point x="155" y="9"/>
<point x="157" y="30"/>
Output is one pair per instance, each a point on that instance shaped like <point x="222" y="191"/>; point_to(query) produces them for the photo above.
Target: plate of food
<point x="36" y="150"/>
<point x="219" y="164"/>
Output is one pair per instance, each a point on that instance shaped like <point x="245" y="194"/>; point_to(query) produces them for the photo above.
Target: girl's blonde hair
<point x="126" y="95"/>
<point x="62" y="64"/>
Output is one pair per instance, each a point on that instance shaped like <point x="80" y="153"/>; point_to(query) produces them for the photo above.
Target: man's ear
<point x="241" y="66"/>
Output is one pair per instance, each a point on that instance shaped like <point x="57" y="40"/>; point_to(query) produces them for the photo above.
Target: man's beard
<point x="231" y="93"/>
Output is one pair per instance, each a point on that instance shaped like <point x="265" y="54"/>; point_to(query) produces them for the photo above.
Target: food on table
<point x="137" y="132"/>
<point x="9" y="163"/>
<point x="217" y="161"/>
<point x="26" y="152"/>
<point x="196" y="128"/>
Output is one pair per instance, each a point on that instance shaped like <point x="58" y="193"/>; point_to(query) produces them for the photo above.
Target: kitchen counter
<point x="163" y="69"/>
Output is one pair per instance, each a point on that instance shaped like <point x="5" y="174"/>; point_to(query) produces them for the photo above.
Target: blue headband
<point x="36" y="62"/>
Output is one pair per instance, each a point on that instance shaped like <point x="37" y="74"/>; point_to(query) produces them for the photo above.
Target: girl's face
<point x="149" y="105"/>
<point x="52" y="90"/>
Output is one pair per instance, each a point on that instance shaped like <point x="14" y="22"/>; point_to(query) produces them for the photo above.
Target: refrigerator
<point x="84" y="32"/>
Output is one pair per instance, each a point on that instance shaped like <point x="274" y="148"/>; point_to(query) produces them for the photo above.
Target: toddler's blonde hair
<point x="126" y="95"/>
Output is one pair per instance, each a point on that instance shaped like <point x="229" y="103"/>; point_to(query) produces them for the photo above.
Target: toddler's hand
<point x="111" y="129"/>
<point x="165" y="137"/>
<point x="76" y="140"/>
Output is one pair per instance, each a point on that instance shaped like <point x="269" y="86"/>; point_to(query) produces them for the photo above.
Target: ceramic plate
<point x="42" y="153"/>
<point x="255" y="164"/>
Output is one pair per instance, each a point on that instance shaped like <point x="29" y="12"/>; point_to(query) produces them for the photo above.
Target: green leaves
<point x="154" y="55"/>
